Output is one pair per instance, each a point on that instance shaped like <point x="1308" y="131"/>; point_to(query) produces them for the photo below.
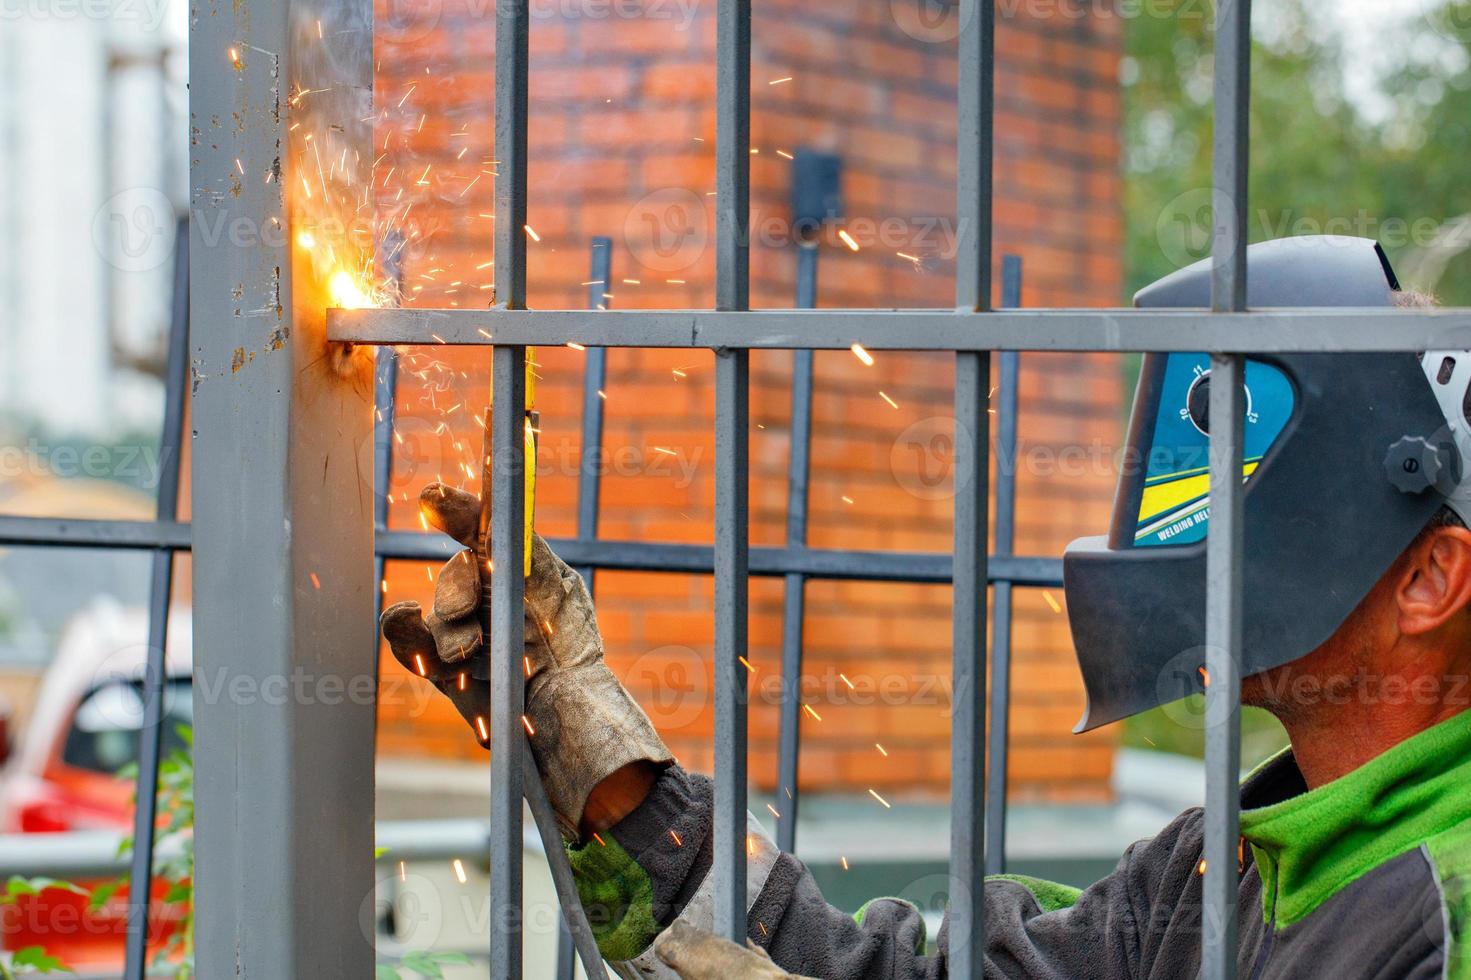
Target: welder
<point x="1356" y="856"/>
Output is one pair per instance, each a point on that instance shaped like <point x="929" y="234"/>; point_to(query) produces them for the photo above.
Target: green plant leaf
<point x="386" y="972"/>
<point x="103" y="892"/>
<point x="37" y="959"/>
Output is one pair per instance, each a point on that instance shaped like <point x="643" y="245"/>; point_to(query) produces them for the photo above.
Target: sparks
<point x="480" y="727"/>
<point x="847" y="500"/>
<point x="403" y="871"/>
<point x="666" y="452"/>
<point x="1205" y="676"/>
<point x="677" y="841"/>
<point x="461" y="680"/>
<point x="845" y="862"/>
<point x="419" y="665"/>
<point x="316" y="582"/>
<point x="808" y="708"/>
<point x="880" y="799"/>
<point x="345" y="291"/>
<point x="1051" y="601"/>
<point x="532" y="232"/>
<point x="747" y="664"/>
<point x="778" y="81"/>
<point x="527" y="722"/>
<point x="785" y="155"/>
<point x="1200" y="868"/>
<point x="773" y="811"/>
<point x="882" y="751"/>
<point x="845" y="680"/>
<point x="460" y="871"/>
<point x="601" y="842"/>
<point x="863" y="355"/>
<point x="892" y="404"/>
<point x="847" y="239"/>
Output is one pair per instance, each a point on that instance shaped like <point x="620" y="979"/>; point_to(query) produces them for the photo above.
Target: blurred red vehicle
<point x="62" y="774"/>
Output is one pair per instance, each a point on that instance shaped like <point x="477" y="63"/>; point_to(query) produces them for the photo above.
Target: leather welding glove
<point x="583" y="725"/>
<point x="695" y="954"/>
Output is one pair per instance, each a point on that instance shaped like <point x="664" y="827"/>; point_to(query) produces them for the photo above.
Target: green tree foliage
<point x="1320" y="163"/>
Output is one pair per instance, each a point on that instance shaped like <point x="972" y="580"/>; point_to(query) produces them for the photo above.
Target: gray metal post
<point x="161" y="580"/>
<point x="732" y="420"/>
<point x="977" y="78"/>
<point x="1006" y="419"/>
<point x="283" y="563"/>
<point x="1225" y="541"/>
<point x="794" y="585"/>
<point x="508" y="510"/>
<point x="594" y="378"/>
<point x="589" y="486"/>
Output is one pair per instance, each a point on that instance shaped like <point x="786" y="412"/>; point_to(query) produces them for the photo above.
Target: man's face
<point x="1366" y="660"/>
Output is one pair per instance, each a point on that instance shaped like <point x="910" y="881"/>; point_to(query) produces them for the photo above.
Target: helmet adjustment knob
<point x="1414" y="464"/>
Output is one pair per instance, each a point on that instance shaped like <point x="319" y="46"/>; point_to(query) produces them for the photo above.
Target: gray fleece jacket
<point x="1368" y="876"/>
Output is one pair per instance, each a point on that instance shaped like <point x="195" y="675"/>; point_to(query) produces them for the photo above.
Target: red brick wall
<point x="622" y="135"/>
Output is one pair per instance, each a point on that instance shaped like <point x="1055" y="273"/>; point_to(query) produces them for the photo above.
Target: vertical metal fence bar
<point x="589" y="481"/>
<point x="732" y="393"/>
<point x="161" y="580"/>
<point x="1006" y="462"/>
<point x="794" y="599"/>
<point x="594" y="378"/>
<point x="1225" y="541"/>
<point x="507" y="509"/>
<point x="972" y="431"/>
<point x="385" y="390"/>
<point x="507" y="679"/>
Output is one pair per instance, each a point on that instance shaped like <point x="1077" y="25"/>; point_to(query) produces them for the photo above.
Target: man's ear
<point x="1435" y="582"/>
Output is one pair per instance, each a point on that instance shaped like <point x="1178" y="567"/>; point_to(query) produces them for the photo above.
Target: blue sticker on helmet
<point x="1175" y="505"/>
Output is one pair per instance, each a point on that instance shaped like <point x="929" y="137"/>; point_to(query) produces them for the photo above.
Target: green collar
<point x="1308" y="844"/>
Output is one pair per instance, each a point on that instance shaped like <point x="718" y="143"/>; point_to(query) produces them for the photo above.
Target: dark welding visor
<point x="1323" y="520"/>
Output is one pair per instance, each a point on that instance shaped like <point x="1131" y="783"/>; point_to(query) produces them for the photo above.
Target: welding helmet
<point x="1346" y="458"/>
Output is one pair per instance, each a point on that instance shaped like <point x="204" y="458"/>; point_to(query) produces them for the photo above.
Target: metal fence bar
<point x="794" y="586"/>
<point x="1225" y="541"/>
<point x="589" y="482"/>
<point x="385" y="387"/>
<point x="644" y="556"/>
<point x="997" y="748"/>
<point x="1320" y="330"/>
<point x="977" y="75"/>
<point x="282" y="566"/>
<point x="594" y="378"/>
<point x="160" y="588"/>
<point x="732" y="394"/>
<point x="507" y="509"/>
<point x="66" y="532"/>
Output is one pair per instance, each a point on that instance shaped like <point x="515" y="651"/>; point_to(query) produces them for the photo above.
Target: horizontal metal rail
<point x="21" y="532"/>
<point x="1281" y="331"/>
<point x="631" y="556"/>
<point x="85" y="854"/>
<point x="642" y="556"/>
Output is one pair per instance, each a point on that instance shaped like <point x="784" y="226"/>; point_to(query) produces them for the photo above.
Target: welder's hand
<point x="584" y="726"/>
<point x="696" y="954"/>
